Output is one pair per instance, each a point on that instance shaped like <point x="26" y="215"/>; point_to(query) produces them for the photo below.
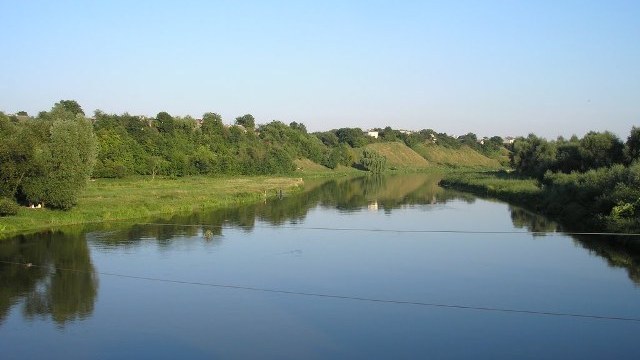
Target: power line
<point x="353" y="298"/>
<point x="417" y="231"/>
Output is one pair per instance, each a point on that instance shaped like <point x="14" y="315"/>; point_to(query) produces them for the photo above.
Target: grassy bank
<point x="498" y="184"/>
<point x="589" y="201"/>
<point x="140" y="197"/>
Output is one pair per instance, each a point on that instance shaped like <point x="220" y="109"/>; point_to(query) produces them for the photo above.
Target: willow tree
<point x="373" y="162"/>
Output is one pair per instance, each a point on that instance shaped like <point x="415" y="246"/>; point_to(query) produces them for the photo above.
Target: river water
<point x="393" y="267"/>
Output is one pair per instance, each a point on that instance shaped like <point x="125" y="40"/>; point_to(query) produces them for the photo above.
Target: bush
<point x="8" y="207"/>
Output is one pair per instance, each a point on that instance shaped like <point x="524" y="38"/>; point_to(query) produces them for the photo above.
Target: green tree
<point x="568" y="157"/>
<point x="164" y="122"/>
<point x="354" y="137"/>
<point x="212" y="124"/>
<point x="632" y="146"/>
<point x="469" y="139"/>
<point x="388" y="134"/>
<point x="16" y="155"/>
<point x="600" y="150"/>
<point x="247" y="121"/>
<point x="372" y="161"/>
<point x="328" y="138"/>
<point x="62" y="163"/>
<point x="532" y="155"/>
<point x="116" y="157"/>
<point x="298" y="126"/>
<point x="71" y="106"/>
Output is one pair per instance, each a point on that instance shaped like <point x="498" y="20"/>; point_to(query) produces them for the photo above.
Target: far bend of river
<point x="352" y="268"/>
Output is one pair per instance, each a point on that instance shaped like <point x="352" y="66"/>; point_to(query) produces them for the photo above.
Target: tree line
<point x="594" y="177"/>
<point x="47" y="159"/>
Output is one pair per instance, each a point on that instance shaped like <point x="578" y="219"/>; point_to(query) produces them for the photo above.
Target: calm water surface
<point x="147" y="290"/>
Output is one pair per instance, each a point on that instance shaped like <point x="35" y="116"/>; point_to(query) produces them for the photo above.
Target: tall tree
<point x="600" y="150"/>
<point x="247" y="121"/>
<point x="71" y="106"/>
<point x="63" y="161"/>
<point x="164" y="122"/>
<point x="632" y="147"/>
<point x="212" y="124"/>
<point x="16" y="155"/>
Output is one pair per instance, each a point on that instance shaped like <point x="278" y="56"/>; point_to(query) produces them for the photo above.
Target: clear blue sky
<point x="489" y="67"/>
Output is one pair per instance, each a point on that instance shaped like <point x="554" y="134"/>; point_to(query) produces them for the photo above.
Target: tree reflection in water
<point x="344" y="194"/>
<point x="618" y="251"/>
<point x="44" y="290"/>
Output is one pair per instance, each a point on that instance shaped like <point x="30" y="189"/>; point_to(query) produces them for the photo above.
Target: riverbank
<point x="583" y="205"/>
<point x="499" y="184"/>
<point x="143" y="197"/>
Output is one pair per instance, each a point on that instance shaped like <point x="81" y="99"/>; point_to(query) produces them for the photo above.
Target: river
<point x="373" y="267"/>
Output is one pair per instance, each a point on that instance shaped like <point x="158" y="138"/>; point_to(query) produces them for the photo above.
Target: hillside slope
<point x="462" y="157"/>
<point x="399" y="155"/>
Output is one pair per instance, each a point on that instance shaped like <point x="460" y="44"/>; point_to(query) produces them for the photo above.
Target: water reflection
<point x="46" y="290"/>
<point x="532" y="222"/>
<point x="618" y="251"/>
<point x="345" y="194"/>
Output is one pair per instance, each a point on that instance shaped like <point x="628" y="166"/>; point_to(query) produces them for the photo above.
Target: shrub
<point x="8" y="207"/>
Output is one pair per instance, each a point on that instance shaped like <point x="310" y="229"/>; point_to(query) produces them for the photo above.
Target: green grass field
<point x="141" y="197"/>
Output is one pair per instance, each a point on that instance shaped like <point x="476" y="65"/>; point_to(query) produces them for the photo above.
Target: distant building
<point x="372" y="133"/>
<point x="508" y="140"/>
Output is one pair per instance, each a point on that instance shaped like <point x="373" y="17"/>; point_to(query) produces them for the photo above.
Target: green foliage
<point x="212" y="125"/>
<point x="115" y="154"/>
<point x="247" y="121"/>
<point x="298" y="126"/>
<point x="532" y="155"/>
<point x="568" y="157"/>
<point x="63" y="164"/>
<point x="294" y="140"/>
<point x="632" y="146"/>
<point x="48" y="160"/>
<point x="372" y="161"/>
<point x="339" y="155"/>
<point x="388" y="134"/>
<point x="17" y="152"/>
<point x="470" y="140"/>
<point x="600" y="149"/>
<point x="491" y="147"/>
<point x="354" y="137"/>
<point x="70" y="106"/>
<point x="8" y="207"/>
<point x="500" y="184"/>
<point x="607" y="197"/>
<point x="328" y="138"/>
<point x="164" y="122"/>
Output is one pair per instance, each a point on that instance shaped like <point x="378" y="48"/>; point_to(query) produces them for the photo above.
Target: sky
<point x="504" y="68"/>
